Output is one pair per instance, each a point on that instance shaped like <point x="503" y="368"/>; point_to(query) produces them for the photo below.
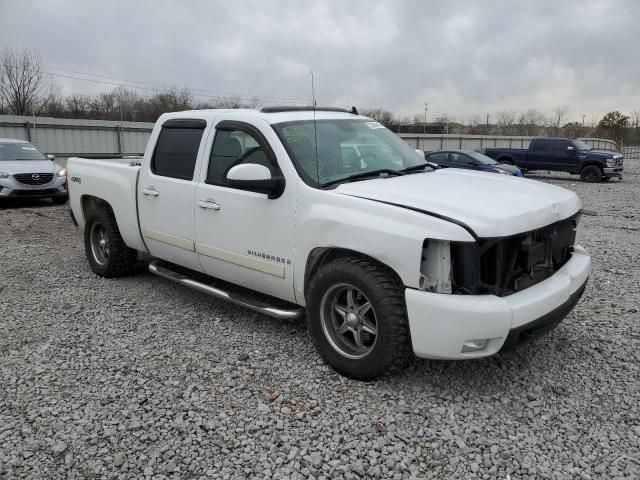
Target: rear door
<point x="166" y="191"/>
<point x="243" y="236"/>
<point x="565" y="156"/>
<point x="539" y="154"/>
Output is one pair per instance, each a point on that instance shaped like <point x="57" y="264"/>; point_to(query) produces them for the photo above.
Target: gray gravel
<point x="136" y="377"/>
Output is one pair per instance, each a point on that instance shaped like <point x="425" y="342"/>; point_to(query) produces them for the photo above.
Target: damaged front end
<point x="498" y="266"/>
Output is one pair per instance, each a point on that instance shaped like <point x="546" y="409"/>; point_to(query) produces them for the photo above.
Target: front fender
<point x="390" y="234"/>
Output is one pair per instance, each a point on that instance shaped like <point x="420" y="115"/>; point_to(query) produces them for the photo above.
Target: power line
<point x="197" y="92"/>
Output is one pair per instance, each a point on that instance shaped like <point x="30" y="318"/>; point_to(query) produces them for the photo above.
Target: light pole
<point x="426" y="109"/>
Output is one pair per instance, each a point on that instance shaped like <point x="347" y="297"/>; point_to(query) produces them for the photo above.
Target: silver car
<point x="27" y="172"/>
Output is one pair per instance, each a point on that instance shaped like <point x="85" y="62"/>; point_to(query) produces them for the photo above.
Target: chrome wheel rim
<point x="100" y="246"/>
<point x="349" y="321"/>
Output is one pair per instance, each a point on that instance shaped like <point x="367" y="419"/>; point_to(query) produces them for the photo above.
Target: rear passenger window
<point x="177" y="149"/>
<point x="542" y="146"/>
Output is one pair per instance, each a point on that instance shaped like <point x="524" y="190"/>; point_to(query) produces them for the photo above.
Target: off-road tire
<point x="392" y="350"/>
<point x="591" y="174"/>
<point x="122" y="259"/>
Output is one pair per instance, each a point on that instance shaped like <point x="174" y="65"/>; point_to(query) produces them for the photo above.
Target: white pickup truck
<point x="326" y="214"/>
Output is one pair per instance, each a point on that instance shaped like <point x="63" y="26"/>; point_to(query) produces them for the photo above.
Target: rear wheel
<point x="591" y="174"/>
<point x="357" y="318"/>
<point x="106" y="251"/>
<point x="506" y="161"/>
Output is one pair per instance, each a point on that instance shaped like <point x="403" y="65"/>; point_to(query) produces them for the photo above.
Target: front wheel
<point x="106" y="251"/>
<point x="591" y="174"/>
<point x="357" y="318"/>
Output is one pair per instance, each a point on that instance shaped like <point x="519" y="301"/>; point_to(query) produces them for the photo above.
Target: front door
<point x="565" y="158"/>
<point x="243" y="236"/>
<point x="166" y="192"/>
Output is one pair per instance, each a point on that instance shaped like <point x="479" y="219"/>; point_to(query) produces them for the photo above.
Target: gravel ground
<point x="137" y="377"/>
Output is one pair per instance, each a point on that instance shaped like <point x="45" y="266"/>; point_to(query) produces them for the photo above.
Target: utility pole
<point x="426" y="109"/>
<point x="583" y="115"/>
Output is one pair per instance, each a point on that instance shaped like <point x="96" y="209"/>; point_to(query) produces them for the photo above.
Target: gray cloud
<point x="462" y="57"/>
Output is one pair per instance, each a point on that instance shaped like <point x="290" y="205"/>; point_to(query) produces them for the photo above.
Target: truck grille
<point x="506" y="265"/>
<point x="34" y="178"/>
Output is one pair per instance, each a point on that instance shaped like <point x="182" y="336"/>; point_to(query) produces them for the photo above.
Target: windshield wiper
<point x="420" y="166"/>
<point x="363" y="175"/>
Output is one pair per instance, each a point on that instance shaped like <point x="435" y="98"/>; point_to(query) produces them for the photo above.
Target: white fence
<point x="94" y="138"/>
<point x="64" y="137"/>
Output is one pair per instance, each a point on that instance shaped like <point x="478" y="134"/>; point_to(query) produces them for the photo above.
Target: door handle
<point x="209" y="204"/>
<point x="150" y="191"/>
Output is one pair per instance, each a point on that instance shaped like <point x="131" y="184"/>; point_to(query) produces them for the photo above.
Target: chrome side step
<point x="157" y="268"/>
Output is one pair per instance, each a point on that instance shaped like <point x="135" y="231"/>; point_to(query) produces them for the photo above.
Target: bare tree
<point x="556" y="119"/>
<point x="21" y="80"/>
<point x="506" y="119"/>
<point x="385" y="117"/>
<point x="77" y="105"/>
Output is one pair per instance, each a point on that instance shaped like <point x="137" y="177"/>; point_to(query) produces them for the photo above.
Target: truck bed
<point x="114" y="180"/>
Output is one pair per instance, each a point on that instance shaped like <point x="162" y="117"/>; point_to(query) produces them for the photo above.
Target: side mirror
<point x="51" y="157"/>
<point x="420" y="152"/>
<point x="255" y="178"/>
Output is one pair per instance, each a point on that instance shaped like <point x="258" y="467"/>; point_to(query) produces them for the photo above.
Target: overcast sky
<point x="463" y="58"/>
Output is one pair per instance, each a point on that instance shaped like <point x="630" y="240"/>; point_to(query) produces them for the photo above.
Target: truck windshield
<point x="346" y="149"/>
<point x="20" y="151"/>
<point x="580" y="145"/>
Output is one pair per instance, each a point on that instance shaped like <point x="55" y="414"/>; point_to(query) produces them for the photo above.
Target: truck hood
<point x="27" y="166"/>
<point x="600" y="154"/>
<point x="491" y="205"/>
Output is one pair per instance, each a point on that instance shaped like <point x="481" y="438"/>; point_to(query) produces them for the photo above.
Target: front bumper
<point x="11" y="188"/>
<point x="613" y="172"/>
<point x="440" y="324"/>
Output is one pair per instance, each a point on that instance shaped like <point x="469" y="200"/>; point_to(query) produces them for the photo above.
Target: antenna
<point x="315" y="129"/>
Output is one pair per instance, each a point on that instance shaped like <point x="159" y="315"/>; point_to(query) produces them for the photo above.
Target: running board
<point x="256" y="305"/>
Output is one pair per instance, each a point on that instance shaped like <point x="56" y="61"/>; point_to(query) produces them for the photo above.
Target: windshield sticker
<point x="293" y="135"/>
<point x="373" y="125"/>
<point x="29" y="148"/>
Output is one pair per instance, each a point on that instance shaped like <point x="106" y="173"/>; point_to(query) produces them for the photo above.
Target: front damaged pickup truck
<point x="326" y="214"/>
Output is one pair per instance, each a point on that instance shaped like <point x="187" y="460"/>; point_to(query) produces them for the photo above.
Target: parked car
<point x="470" y="160"/>
<point x="384" y="255"/>
<point x="562" y="155"/>
<point x="27" y="172"/>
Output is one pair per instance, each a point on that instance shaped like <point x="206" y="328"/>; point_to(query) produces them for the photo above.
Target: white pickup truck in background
<point x="383" y="255"/>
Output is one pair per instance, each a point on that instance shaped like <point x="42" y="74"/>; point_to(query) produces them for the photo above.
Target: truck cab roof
<point x="271" y="115"/>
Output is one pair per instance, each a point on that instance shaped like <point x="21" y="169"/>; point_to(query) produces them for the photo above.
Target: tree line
<point x="26" y="90"/>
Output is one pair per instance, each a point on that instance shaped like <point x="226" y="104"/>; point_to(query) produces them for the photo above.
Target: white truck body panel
<point x="115" y="182"/>
<point x="492" y="205"/>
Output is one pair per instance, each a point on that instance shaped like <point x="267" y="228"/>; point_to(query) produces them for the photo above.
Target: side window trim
<point x="231" y="125"/>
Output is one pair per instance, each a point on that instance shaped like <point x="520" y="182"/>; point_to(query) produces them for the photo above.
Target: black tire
<point x="118" y="260"/>
<point x="391" y="349"/>
<point x="591" y="174"/>
<point x="59" y="200"/>
<point x="506" y="161"/>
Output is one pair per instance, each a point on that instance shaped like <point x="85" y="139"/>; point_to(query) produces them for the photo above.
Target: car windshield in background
<point x="20" y="151"/>
<point x="345" y="149"/>
<point x="482" y="158"/>
<point x="580" y="145"/>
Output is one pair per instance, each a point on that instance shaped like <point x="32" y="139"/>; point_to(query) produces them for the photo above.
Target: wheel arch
<point x="320" y="256"/>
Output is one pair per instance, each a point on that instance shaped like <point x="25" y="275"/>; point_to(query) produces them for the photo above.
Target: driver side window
<point x="231" y="148"/>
